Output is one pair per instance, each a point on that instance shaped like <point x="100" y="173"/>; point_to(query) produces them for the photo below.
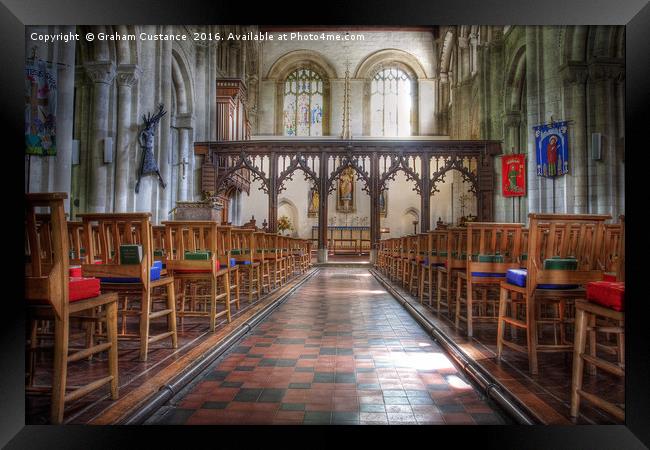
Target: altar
<point x="353" y="240"/>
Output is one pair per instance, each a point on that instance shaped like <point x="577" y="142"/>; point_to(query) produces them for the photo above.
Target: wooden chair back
<point x="244" y="246"/>
<point x="158" y="237"/>
<point x="500" y="242"/>
<point x="224" y="245"/>
<point x="261" y="247"/>
<point x="189" y="236"/>
<point x="613" y="249"/>
<point x="456" y="248"/>
<point x="565" y="235"/>
<point x="75" y="240"/>
<point x="437" y="246"/>
<point x="112" y="231"/>
<point x="46" y="274"/>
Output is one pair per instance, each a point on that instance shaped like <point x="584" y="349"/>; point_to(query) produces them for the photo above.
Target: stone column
<point x="101" y="74"/>
<point x="127" y="75"/>
<point x="184" y="125"/>
<point x="164" y="195"/>
<point x="425" y="194"/>
<point x="574" y="75"/>
<point x="64" y="119"/>
<point x="602" y="76"/>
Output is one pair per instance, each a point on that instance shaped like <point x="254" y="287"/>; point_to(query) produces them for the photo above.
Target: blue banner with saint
<point x="552" y="149"/>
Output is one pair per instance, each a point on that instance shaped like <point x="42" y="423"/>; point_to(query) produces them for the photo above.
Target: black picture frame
<point x="635" y="14"/>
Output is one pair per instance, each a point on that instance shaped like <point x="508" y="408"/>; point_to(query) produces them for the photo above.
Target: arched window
<point x="303" y="103"/>
<point x="391" y="102"/>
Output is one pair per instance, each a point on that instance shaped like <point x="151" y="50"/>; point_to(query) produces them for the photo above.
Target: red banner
<point x="513" y="175"/>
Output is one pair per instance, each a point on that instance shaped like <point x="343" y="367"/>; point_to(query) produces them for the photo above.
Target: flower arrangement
<point x="284" y="223"/>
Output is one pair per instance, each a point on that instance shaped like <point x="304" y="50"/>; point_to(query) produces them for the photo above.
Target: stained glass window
<point x="391" y="102"/>
<point x="303" y="104"/>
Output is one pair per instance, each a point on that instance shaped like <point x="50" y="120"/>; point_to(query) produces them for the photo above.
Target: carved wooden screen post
<point x="375" y="161"/>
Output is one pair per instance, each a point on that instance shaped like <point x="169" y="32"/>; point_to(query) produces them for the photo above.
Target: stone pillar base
<point x="373" y="256"/>
<point x="322" y="255"/>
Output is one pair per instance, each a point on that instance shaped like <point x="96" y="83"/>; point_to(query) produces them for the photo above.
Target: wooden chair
<point x="492" y="249"/>
<point x="191" y="239"/>
<point x="562" y="256"/>
<point x="158" y="235"/>
<point x="113" y="230"/>
<point x="605" y="301"/>
<point x="274" y="255"/>
<point x="417" y="255"/>
<point x="224" y="254"/>
<point x="51" y="294"/>
<point x="436" y="251"/>
<point x="454" y="261"/>
<point x="243" y="252"/>
<point x="261" y="249"/>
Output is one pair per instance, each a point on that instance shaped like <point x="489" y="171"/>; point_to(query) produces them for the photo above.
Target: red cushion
<point x="75" y="271"/>
<point x="82" y="288"/>
<point x="609" y="277"/>
<point x="216" y="265"/>
<point x="607" y="293"/>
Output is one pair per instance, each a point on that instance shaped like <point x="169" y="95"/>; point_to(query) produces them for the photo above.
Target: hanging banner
<point x="513" y="175"/>
<point x="40" y="109"/>
<point x="552" y="148"/>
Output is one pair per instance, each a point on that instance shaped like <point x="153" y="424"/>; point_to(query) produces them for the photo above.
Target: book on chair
<point x="130" y="254"/>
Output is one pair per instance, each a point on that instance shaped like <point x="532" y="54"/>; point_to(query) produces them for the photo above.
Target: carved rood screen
<point x="423" y="162"/>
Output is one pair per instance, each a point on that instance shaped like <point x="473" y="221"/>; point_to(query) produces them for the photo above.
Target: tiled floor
<point x="340" y="350"/>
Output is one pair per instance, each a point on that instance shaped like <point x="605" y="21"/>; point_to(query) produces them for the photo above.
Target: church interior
<point x="352" y="225"/>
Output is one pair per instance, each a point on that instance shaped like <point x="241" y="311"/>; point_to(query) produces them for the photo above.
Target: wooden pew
<point x="111" y="231"/>
<point x="546" y="284"/>
<point x="184" y="241"/>
<point x="417" y="255"/>
<point x="492" y="249"/>
<point x="51" y="295"/>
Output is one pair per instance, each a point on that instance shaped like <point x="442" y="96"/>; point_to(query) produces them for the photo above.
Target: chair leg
<point x="469" y="300"/>
<point x="503" y="300"/>
<point x="61" y="336"/>
<point x="111" y="334"/>
<point x="227" y="287"/>
<point x="171" y="304"/>
<point x="213" y="304"/>
<point x="458" y="293"/>
<point x="531" y="319"/>
<point x="421" y="284"/>
<point x="578" y="363"/>
<point x="145" y="310"/>
<point x="439" y="293"/>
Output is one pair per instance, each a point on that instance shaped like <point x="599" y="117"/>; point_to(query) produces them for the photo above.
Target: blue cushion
<point x="243" y="262"/>
<point x="155" y="275"/>
<point x="233" y="262"/>
<point x="518" y="278"/>
<point x="158" y="264"/>
<point x="487" y="274"/>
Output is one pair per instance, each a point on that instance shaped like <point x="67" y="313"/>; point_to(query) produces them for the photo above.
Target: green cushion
<point x="198" y="255"/>
<point x="488" y="258"/>
<point x="557" y="263"/>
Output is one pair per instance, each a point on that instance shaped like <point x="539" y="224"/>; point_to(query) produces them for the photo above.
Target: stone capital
<point x="606" y="70"/>
<point x="462" y="42"/>
<point x="512" y="119"/>
<point x="444" y="77"/>
<point x="574" y="73"/>
<point x="128" y="74"/>
<point x="183" y="121"/>
<point x="100" y="72"/>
